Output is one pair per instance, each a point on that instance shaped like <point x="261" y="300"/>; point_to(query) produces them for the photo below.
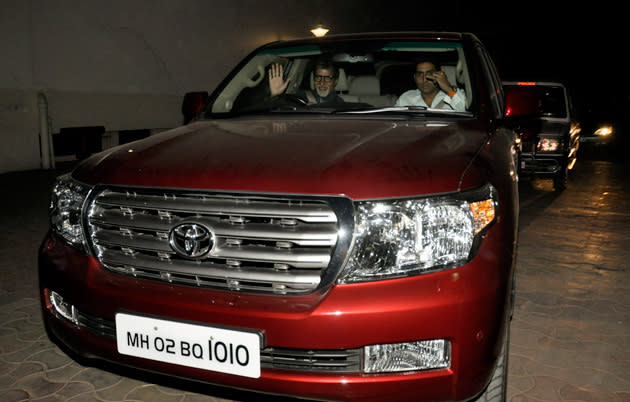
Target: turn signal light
<point x="483" y="214"/>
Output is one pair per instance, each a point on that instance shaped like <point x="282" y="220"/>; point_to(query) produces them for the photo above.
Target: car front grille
<point x="343" y="360"/>
<point x="529" y="146"/>
<point x="277" y="245"/>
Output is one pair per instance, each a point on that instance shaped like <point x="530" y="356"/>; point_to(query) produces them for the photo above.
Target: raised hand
<point x="277" y="85"/>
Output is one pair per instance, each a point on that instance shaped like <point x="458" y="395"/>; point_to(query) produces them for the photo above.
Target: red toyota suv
<point x="338" y="223"/>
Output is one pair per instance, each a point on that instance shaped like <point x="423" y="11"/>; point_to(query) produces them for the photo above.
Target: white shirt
<point x="441" y="101"/>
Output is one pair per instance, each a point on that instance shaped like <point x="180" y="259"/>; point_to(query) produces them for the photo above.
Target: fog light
<point x="408" y="356"/>
<point x="63" y="308"/>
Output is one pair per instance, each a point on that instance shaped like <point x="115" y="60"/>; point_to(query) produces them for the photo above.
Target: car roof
<point x="401" y="35"/>
<point x="534" y="83"/>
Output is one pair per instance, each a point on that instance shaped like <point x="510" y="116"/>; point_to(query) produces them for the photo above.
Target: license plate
<point x="193" y="345"/>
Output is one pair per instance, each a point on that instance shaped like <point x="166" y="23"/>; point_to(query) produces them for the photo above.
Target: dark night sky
<point x="582" y="46"/>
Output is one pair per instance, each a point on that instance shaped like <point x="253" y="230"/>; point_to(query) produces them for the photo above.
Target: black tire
<point x="497" y="389"/>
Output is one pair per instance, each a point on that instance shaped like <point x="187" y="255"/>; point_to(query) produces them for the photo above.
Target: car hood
<point x="359" y="158"/>
<point x="531" y="128"/>
<point x="555" y="127"/>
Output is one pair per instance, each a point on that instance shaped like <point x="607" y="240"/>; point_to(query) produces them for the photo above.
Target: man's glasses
<point x="325" y="78"/>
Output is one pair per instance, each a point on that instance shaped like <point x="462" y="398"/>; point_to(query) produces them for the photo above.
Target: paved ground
<point x="570" y="333"/>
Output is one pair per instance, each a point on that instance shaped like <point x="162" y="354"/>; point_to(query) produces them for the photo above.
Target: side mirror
<point x="521" y="102"/>
<point x="193" y="103"/>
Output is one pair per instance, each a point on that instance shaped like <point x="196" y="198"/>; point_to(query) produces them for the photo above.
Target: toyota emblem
<point x="191" y="240"/>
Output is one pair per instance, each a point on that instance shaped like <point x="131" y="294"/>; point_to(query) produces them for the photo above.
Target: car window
<point x="372" y="75"/>
<point x="550" y="100"/>
<point x="553" y="102"/>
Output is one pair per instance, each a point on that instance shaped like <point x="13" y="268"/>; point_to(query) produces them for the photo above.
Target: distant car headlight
<point x="547" y="144"/>
<point x="604" y="131"/>
<point x="66" y="204"/>
<point x="405" y="237"/>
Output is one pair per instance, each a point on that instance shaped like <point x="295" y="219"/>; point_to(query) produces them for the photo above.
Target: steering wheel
<point x="293" y="99"/>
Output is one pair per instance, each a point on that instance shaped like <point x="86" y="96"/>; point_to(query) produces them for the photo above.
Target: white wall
<point x="126" y="64"/>
<point x="19" y="125"/>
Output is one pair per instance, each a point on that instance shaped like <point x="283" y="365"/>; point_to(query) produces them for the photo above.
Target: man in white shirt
<point x="434" y="90"/>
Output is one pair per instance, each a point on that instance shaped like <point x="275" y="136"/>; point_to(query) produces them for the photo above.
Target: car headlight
<point x="547" y="144"/>
<point x="66" y="204"/>
<point x="604" y="131"/>
<point x="404" y="237"/>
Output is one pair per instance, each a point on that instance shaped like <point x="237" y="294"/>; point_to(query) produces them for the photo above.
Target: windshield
<point x="365" y="76"/>
<point x="543" y="100"/>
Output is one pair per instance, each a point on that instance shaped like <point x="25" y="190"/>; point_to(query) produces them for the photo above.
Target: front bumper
<point x="542" y="165"/>
<point x="533" y="162"/>
<point x="546" y="164"/>
<point x="466" y="306"/>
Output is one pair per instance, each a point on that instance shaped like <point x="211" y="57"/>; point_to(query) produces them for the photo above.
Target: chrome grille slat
<point x="299" y="258"/>
<point x="320" y="235"/>
<point x="209" y="270"/>
<point x="278" y="245"/>
<point x="218" y="205"/>
<point x="138" y="241"/>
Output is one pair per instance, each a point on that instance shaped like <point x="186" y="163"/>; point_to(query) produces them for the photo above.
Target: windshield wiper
<point x="406" y="110"/>
<point x="386" y="109"/>
<point x="297" y="109"/>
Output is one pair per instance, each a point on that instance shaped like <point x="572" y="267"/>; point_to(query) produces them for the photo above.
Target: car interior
<point x="371" y="79"/>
